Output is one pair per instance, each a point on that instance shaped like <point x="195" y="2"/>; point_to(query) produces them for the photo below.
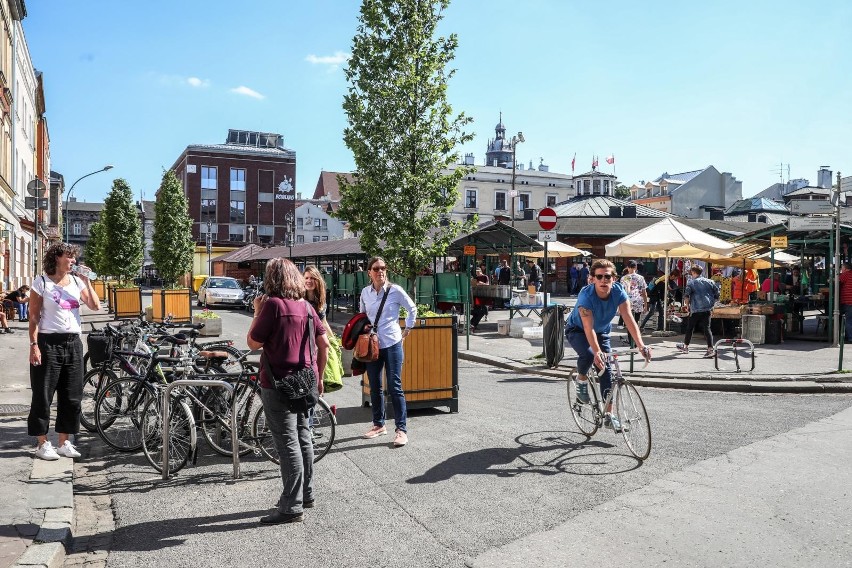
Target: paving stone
<point x="54" y="532"/>
<point x="49" y="555"/>
<point x="43" y="469"/>
<point x="59" y="515"/>
<point x="51" y="493"/>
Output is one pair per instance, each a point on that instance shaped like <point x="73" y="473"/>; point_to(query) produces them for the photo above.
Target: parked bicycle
<point x="626" y="403"/>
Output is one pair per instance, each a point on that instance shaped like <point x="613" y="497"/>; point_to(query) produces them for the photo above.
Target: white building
<point x="314" y="224"/>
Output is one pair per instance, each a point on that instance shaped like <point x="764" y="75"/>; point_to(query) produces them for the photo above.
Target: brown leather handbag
<point x="367" y="345"/>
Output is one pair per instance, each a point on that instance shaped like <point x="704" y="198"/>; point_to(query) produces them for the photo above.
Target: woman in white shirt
<point x="56" y="352"/>
<point x="390" y="347"/>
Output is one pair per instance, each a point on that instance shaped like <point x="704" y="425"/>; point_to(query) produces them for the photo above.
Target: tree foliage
<point x="622" y="191"/>
<point x="402" y="134"/>
<point x="173" y="242"/>
<point x="122" y="246"/>
<point x="95" y="248"/>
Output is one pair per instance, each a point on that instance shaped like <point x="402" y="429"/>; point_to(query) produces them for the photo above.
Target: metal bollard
<point x="166" y="415"/>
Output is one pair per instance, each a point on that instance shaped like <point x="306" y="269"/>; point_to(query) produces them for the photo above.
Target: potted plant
<point x="120" y="248"/>
<point x="211" y="320"/>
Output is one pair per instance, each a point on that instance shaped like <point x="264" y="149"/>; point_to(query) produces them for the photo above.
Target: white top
<point x="387" y="328"/>
<point x="60" y="307"/>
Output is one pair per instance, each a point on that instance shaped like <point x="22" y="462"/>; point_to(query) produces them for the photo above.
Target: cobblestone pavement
<point x="94" y="522"/>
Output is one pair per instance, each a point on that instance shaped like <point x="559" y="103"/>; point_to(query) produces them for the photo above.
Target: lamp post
<point x="839" y="334"/>
<point x="209" y="241"/>
<point x="515" y="141"/>
<point x="289" y="236"/>
<point x="250" y="230"/>
<point x="68" y="196"/>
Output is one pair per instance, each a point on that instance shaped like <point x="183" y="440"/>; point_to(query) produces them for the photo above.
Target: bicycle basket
<point x="100" y="347"/>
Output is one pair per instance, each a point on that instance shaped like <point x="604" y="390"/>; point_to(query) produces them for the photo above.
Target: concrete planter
<point x="212" y="326"/>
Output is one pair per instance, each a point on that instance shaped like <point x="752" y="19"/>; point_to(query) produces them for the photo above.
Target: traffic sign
<point x="547" y="218"/>
<point x="547" y="236"/>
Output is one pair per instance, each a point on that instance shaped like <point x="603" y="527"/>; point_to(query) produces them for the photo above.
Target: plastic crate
<point x="534" y="332"/>
<point x="754" y="328"/>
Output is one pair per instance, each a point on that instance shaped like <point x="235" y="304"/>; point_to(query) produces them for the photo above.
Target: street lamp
<point x="289" y="236"/>
<point x="515" y="141"/>
<point x="250" y="230"/>
<point x="838" y="334"/>
<point x="68" y="196"/>
<point x="209" y="241"/>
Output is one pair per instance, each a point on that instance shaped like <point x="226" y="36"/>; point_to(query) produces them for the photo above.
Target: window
<point x="238" y="211"/>
<point x="324" y="238"/>
<point x="550" y="200"/>
<point x="499" y="200"/>
<point x="208" y="210"/>
<point x="238" y="179"/>
<point x="78" y="228"/>
<point x="316" y="238"/>
<point x="586" y="187"/>
<point x="321" y="224"/>
<point x="596" y="187"/>
<point x="236" y="233"/>
<point x="264" y="239"/>
<point x="300" y="239"/>
<point x="470" y="199"/>
<point x="524" y="201"/>
<point x="208" y="178"/>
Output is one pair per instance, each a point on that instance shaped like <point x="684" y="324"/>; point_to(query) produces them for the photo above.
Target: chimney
<point x="468" y="159"/>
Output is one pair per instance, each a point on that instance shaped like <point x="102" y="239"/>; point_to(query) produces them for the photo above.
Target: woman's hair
<point x="696" y="269"/>
<point x="24" y="288"/>
<point x="602" y="263"/>
<point x="373" y="261"/>
<point x="53" y="252"/>
<point x="283" y="280"/>
<point x="316" y="296"/>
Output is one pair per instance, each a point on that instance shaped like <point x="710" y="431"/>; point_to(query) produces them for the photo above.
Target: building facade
<point x="699" y="194"/>
<point x="314" y="222"/>
<point x="80" y="216"/>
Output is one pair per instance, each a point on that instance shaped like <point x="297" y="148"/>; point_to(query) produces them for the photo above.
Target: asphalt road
<point x="509" y="466"/>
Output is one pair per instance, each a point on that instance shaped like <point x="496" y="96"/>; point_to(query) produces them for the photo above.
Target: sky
<point x="662" y="86"/>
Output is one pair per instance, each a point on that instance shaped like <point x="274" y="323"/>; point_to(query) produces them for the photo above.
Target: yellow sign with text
<point x="470" y="250"/>
<point x="779" y="242"/>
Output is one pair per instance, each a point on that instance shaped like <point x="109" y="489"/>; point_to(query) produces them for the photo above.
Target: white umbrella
<point x="556" y="250"/>
<point x="668" y="238"/>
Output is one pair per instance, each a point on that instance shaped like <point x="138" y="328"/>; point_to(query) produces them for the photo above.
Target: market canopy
<point x="557" y="250"/>
<point x="669" y="238"/>
<point x="495" y="237"/>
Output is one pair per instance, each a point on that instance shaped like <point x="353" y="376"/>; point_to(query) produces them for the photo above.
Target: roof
<point x="682" y="177"/>
<point x="84" y="206"/>
<point x="239" y="255"/>
<point x="494" y="237"/>
<point x="771" y="218"/>
<point x="327" y="185"/>
<point x="809" y="191"/>
<point x="756" y="204"/>
<point x="244" y="150"/>
<point x="598" y="206"/>
<point x="339" y="247"/>
<point x="618" y="227"/>
<point x="147" y="208"/>
<point x="595" y="173"/>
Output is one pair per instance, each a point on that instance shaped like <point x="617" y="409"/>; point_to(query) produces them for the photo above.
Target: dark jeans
<point x="656" y="306"/>
<point x="700" y="320"/>
<point x="585" y="357"/>
<point x="60" y="373"/>
<point x="291" y="435"/>
<point x="390" y="359"/>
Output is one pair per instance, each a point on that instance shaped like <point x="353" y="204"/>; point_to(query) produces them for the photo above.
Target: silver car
<point x="220" y="290"/>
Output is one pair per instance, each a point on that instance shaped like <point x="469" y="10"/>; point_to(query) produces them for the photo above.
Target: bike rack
<point x="733" y="343"/>
<point x="167" y="411"/>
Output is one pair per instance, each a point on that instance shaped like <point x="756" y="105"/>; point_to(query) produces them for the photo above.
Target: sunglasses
<point x="603" y="276"/>
<point x="379" y="268"/>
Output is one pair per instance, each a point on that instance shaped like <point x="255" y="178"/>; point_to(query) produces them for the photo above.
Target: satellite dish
<point x="35" y="187"/>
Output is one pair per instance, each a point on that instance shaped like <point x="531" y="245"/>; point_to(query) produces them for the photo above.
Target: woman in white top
<point x="390" y="347"/>
<point x="56" y="352"/>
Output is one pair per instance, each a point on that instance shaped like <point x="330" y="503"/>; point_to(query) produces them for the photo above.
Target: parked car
<point x="220" y="290"/>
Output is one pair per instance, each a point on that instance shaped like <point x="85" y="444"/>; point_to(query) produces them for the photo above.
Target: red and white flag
<point x="611" y="159"/>
<point x="573" y="161"/>
<point x="594" y="162"/>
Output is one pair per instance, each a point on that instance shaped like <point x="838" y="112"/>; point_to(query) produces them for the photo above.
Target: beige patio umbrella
<point x="556" y="250"/>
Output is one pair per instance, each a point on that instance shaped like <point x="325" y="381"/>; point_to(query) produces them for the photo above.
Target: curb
<point x="50" y="489"/>
<point x="769" y="384"/>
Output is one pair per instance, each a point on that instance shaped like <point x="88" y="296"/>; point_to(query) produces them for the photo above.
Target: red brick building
<point x="242" y="189"/>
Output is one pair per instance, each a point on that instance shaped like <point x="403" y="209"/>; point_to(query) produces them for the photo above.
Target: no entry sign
<point x="547" y="218"/>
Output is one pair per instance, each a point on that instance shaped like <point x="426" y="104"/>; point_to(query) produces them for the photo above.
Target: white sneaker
<point x="68" y="450"/>
<point x="47" y="452"/>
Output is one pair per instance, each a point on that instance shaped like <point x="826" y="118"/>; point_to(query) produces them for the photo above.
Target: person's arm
<point x="88" y="294"/>
<point x="260" y="328"/>
<point x="632" y="327"/>
<point x="588" y="319"/>
<point x="35" y="317"/>
<point x="411" y="308"/>
<point x="322" y="358"/>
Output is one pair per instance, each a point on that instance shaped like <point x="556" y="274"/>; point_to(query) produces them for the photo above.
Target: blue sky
<point x="664" y="86"/>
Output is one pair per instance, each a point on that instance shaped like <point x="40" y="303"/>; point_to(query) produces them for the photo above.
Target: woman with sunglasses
<point x="390" y="337"/>
<point x="590" y="324"/>
<point x="56" y="352"/>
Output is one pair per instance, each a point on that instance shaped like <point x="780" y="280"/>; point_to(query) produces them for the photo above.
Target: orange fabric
<point x="750" y="281"/>
<point x="738" y="293"/>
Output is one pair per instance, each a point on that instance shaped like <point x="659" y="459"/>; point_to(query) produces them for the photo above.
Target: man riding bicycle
<point x="589" y="326"/>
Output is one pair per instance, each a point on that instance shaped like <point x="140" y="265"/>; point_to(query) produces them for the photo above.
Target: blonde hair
<point x="316" y="297"/>
<point x="283" y="280"/>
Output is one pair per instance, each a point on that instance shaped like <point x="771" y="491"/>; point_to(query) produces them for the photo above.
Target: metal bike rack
<point x="166" y="415"/>
<point x="732" y="344"/>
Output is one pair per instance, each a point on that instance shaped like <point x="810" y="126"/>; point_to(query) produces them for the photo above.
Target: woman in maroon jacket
<point x="280" y="327"/>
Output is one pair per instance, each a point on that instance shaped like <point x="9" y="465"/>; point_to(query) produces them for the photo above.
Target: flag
<point x="573" y="161"/>
<point x="611" y="159"/>
<point x="594" y="162"/>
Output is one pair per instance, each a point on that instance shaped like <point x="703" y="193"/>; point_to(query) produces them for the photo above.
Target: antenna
<point x="780" y="169"/>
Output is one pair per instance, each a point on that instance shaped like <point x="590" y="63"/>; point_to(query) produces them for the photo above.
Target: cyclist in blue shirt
<point x="590" y="324"/>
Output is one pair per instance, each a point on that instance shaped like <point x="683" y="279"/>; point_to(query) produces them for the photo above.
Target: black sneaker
<point x="278" y="518"/>
<point x="9" y="330"/>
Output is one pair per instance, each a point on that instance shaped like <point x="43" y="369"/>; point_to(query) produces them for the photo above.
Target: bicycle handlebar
<point x="630" y="351"/>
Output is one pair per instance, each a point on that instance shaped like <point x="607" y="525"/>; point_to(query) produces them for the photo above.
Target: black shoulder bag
<point x="300" y="383"/>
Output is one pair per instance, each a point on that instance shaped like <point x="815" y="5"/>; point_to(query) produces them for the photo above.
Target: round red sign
<point x="547" y="218"/>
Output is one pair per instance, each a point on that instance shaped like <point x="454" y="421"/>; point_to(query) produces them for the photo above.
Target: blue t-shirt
<point x="603" y="310"/>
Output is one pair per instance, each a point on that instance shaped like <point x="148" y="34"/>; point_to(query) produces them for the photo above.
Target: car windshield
<point x="223" y="283"/>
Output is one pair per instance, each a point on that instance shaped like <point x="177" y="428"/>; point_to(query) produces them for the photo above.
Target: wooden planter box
<point x="176" y="303"/>
<point x="100" y="289"/>
<point x="110" y="300"/>
<point x="430" y="374"/>
<point x="127" y="302"/>
<point x="212" y="326"/>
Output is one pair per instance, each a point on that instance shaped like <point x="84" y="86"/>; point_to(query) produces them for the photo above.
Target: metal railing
<point x="235" y="444"/>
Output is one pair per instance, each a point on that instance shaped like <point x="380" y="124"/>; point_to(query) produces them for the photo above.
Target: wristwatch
<point x="33" y="343"/>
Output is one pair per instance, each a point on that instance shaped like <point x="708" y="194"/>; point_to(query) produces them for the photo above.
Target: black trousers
<point x="700" y="320"/>
<point x="60" y="373"/>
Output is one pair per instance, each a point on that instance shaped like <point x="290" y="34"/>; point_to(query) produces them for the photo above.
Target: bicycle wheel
<point x="262" y="437"/>
<point x="323" y="428"/>
<point x="118" y="412"/>
<point x="635" y="426"/>
<point x="182" y="437"/>
<point x="93" y="381"/>
<point x="584" y="413"/>
<point x="215" y="416"/>
<point x="233" y="364"/>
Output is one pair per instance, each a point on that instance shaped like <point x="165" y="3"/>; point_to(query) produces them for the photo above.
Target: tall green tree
<point x="122" y="247"/>
<point x="95" y="248"/>
<point x="622" y="191"/>
<point x="173" y="242"/>
<point x="402" y="133"/>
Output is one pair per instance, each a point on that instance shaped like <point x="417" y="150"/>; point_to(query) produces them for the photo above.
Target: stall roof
<point x="239" y="255"/>
<point x="340" y="247"/>
<point x="494" y="237"/>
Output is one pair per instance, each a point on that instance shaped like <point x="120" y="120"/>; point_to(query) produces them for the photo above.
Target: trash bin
<point x="553" y="324"/>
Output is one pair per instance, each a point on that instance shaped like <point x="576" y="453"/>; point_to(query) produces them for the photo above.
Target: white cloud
<point x="199" y="83"/>
<point x="243" y="90"/>
<point x="332" y="61"/>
